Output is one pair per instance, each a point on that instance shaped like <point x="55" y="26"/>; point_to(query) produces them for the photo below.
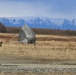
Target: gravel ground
<point x="18" y="65"/>
<point x="36" y="68"/>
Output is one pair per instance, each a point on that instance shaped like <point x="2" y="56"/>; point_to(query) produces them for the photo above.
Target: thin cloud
<point x="47" y="8"/>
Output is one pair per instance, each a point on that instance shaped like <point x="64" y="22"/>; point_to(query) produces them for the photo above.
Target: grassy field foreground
<point x="47" y="47"/>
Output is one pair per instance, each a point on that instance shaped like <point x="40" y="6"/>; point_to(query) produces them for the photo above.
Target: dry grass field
<point x="47" y="47"/>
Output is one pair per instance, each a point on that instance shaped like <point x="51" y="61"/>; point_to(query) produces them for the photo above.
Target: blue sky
<point x="44" y="8"/>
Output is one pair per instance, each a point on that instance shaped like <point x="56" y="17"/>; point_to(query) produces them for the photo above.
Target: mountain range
<point x="40" y="22"/>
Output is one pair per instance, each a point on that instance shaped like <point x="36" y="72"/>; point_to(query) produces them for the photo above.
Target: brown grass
<point x="49" y="47"/>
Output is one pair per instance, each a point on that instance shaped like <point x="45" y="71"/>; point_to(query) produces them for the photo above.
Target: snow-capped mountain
<point x="40" y="22"/>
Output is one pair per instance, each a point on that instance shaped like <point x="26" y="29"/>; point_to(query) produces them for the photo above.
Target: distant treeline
<point x="2" y="28"/>
<point x="38" y="31"/>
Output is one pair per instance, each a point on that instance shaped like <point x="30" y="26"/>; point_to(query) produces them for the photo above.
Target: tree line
<point x="4" y="29"/>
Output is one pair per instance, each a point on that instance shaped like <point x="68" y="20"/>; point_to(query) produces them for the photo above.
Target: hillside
<point x="40" y="22"/>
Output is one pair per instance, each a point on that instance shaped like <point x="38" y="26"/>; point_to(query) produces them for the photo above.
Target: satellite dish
<point x="26" y="35"/>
